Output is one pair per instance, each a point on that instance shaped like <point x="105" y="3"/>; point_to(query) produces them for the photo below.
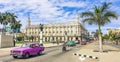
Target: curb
<point x="87" y="56"/>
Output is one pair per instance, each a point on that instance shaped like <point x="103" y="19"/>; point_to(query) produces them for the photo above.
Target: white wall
<point x="6" y="41"/>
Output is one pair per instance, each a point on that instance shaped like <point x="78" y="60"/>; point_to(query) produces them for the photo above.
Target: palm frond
<point x="104" y="21"/>
<point x="89" y="20"/>
<point x="105" y="6"/>
<point x="87" y="14"/>
<point x="111" y="14"/>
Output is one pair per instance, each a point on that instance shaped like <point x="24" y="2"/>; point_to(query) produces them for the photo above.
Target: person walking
<point x="64" y="47"/>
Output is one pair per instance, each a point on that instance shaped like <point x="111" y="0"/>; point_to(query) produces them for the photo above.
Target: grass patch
<point x="19" y="42"/>
<point x="46" y="42"/>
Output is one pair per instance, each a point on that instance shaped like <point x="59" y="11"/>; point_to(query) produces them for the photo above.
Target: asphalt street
<point x="53" y="54"/>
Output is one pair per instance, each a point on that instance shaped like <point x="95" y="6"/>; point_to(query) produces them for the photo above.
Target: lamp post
<point x="41" y="38"/>
<point x="51" y="36"/>
<point x="81" y="36"/>
<point x="65" y="36"/>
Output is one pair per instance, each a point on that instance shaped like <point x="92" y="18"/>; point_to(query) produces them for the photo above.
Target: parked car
<point x="71" y="43"/>
<point x="91" y="40"/>
<point x="77" y="41"/>
<point x="26" y="50"/>
<point x="83" y="42"/>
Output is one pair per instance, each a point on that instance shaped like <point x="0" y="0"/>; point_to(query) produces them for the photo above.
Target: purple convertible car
<point x="26" y="50"/>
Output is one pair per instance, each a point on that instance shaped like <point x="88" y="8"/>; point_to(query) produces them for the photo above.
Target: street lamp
<point x="81" y="35"/>
<point x="41" y="38"/>
<point x="65" y="36"/>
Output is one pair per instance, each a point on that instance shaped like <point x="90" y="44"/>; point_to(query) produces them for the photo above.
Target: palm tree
<point x="0" y="18"/>
<point x="100" y="16"/>
<point x="6" y="18"/>
<point x="16" y="25"/>
<point x="11" y="17"/>
<point x="16" y="28"/>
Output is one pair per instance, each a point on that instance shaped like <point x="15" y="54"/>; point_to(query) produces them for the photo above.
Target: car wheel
<point x="26" y="55"/>
<point x="40" y="52"/>
<point x="14" y="56"/>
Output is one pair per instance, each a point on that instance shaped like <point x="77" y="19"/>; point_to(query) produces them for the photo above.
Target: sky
<point x="57" y="11"/>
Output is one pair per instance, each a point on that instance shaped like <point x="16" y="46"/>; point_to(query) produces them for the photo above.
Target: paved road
<point x="53" y="54"/>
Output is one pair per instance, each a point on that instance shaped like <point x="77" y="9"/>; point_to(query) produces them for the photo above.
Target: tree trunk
<point x="100" y="39"/>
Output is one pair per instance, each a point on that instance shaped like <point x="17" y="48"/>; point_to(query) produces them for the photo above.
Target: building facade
<point x="115" y="32"/>
<point x="73" y="30"/>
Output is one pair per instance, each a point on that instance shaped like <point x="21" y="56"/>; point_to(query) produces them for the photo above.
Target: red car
<point x="83" y="42"/>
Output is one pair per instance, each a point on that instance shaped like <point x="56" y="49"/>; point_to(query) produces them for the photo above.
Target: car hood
<point x="20" y="49"/>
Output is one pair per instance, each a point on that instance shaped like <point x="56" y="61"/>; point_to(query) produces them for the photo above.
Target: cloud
<point x="52" y="11"/>
<point x="73" y="4"/>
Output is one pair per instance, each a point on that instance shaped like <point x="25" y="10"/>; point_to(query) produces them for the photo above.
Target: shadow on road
<point x="33" y="56"/>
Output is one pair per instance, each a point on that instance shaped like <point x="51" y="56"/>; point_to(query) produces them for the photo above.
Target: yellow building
<point x="113" y="31"/>
<point x="56" y="31"/>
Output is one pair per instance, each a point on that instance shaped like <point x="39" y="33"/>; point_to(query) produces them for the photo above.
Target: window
<point x="56" y="31"/>
<point x="71" y="31"/>
<point x="60" y="31"/>
<point x="36" y="45"/>
<point x="68" y="31"/>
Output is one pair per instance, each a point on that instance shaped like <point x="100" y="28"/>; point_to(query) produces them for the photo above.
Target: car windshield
<point x="26" y="45"/>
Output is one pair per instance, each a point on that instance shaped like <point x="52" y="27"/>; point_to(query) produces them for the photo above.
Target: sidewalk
<point x="112" y="54"/>
<point x="6" y="51"/>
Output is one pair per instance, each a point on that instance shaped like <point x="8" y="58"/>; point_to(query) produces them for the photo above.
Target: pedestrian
<point x="14" y="43"/>
<point x="64" y="47"/>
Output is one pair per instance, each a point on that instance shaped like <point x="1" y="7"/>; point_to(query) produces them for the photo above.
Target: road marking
<point x="82" y="58"/>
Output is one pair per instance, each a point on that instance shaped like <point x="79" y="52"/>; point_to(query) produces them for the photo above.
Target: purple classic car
<point x="26" y="50"/>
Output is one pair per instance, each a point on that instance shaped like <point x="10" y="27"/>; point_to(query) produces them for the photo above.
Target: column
<point x="69" y="38"/>
<point x="55" y="39"/>
<point x="47" y="38"/>
<point x="73" y="39"/>
<point x="44" y="39"/>
<point x="63" y="38"/>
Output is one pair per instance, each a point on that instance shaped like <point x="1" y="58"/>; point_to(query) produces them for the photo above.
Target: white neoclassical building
<point x="56" y="31"/>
